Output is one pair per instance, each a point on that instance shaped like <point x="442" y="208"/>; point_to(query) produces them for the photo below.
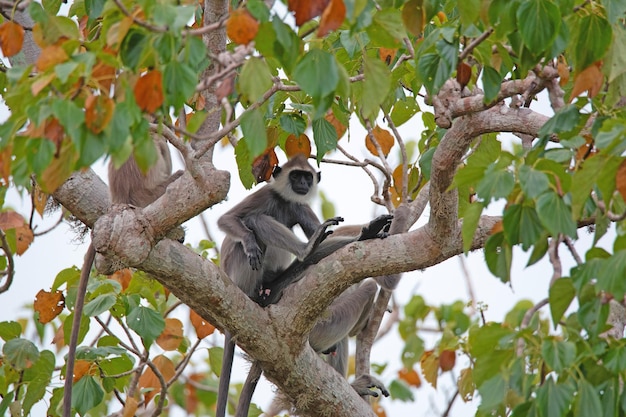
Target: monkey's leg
<point x="248" y="389"/>
<point x="227" y="365"/>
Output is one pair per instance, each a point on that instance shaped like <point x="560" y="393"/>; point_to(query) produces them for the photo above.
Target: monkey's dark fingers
<point x="377" y="228"/>
<point x="334" y="221"/>
<point x="364" y="383"/>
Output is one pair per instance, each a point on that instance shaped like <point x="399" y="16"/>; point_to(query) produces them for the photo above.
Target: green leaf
<point x="38" y="376"/>
<point x="399" y="390"/>
<point x="484" y="340"/>
<point x="10" y="330"/>
<point x="293" y="123"/>
<point x="317" y="73"/>
<point x="287" y="46"/>
<point x="491" y="83"/>
<point x="469" y="11"/>
<point x="20" y="353"/>
<point x="540" y="23"/>
<point x="99" y="305"/>
<point x="86" y="394"/>
<point x="325" y="137"/>
<point x="404" y="110"/>
<point x="492" y="393"/>
<point x="521" y="224"/>
<point x="611" y="275"/>
<point x="471" y="216"/>
<point x="561" y="295"/>
<point x="591" y="38"/>
<point x="244" y="162"/>
<point x="255" y="79"/>
<point x="133" y="47"/>
<point x="376" y="86"/>
<point x="254" y="133"/>
<point x="554" y="400"/>
<point x="412" y="351"/>
<point x="533" y="182"/>
<point x="558" y="355"/>
<point x="495" y="184"/>
<point x="433" y="71"/>
<point x="69" y="276"/>
<point x="565" y="120"/>
<point x="499" y="256"/>
<point x="615" y="359"/>
<point x="555" y="215"/>
<point x="68" y="325"/>
<point x="146" y="322"/>
<point x="390" y="20"/>
<point x="588" y="402"/>
<point x="71" y="118"/>
<point x="94" y="8"/>
<point x="215" y="359"/>
<point x="180" y="82"/>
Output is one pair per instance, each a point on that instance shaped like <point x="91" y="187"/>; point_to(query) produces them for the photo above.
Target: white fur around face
<point x="283" y="187"/>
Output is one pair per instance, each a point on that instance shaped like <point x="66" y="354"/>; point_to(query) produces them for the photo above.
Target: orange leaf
<point x="61" y="167"/>
<point x="172" y="336"/>
<point x="130" y="407"/>
<point x="620" y="179"/>
<point x="123" y="276"/>
<point x="191" y="400"/>
<point x="11" y="220"/>
<point x="387" y="55"/>
<point x="383" y="138"/>
<point x="103" y="75"/>
<point x="149" y="381"/>
<point x="414" y="17"/>
<point x="51" y="56"/>
<point x="447" y="359"/>
<point x="42" y="82"/>
<point x="203" y="327"/>
<point x="379" y="410"/>
<point x="590" y="80"/>
<point x="463" y="74"/>
<point x="430" y="367"/>
<point x="332" y="17"/>
<point x="48" y="305"/>
<point x="40" y="199"/>
<point x="339" y="127"/>
<point x="410" y="376"/>
<point x="11" y="38"/>
<point x="263" y="165"/>
<point x="241" y="27"/>
<point x="82" y="368"/>
<point x="23" y="237"/>
<point x="98" y="112"/>
<point x="563" y="69"/>
<point x="149" y="91"/>
<point x="305" y="10"/>
<point x="497" y="228"/>
<point x="6" y="160"/>
<point x="54" y="131"/>
<point x="295" y="145"/>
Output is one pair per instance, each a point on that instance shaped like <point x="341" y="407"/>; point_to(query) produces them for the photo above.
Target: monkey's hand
<point x="253" y="252"/>
<point x="364" y="383"/>
<point x="320" y="234"/>
<point x="377" y="228"/>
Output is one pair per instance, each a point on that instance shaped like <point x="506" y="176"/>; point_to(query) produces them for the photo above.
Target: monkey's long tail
<point x="248" y="389"/>
<point x="227" y="365"/>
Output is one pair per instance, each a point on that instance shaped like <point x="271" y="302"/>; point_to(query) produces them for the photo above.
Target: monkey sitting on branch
<point x="260" y="243"/>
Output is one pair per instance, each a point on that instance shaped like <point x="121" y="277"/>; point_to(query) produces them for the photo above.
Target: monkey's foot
<point x="377" y="228"/>
<point x="364" y="383"/>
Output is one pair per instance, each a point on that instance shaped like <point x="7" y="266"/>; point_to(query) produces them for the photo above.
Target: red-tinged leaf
<point x="98" y="112"/>
<point x="203" y="327"/>
<point x="298" y="145"/>
<point x="51" y="56"/>
<point x="620" y="180"/>
<point x="11" y="38"/>
<point x="103" y="75"/>
<point x="332" y="17"/>
<point x="241" y="27"/>
<point x="305" y="10"/>
<point x="149" y="91"/>
<point x="590" y="80"/>
<point x="447" y="359"/>
<point x="49" y="305"/>
<point x="263" y="165"/>
<point x="463" y="74"/>
<point x="10" y="220"/>
<point x="53" y="130"/>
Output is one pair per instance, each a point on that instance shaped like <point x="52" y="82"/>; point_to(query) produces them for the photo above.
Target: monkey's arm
<point x="274" y="284"/>
<point x="234" y="226"/>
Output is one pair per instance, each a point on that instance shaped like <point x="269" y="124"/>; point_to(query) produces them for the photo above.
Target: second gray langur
<point x="260" y="239"/>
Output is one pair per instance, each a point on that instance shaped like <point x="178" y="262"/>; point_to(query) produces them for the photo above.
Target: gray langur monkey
<point x="260" y="239"/>
<point x="127" y="185"/>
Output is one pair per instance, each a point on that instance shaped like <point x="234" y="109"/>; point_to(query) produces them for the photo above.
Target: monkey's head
<point x="296" y="181"/>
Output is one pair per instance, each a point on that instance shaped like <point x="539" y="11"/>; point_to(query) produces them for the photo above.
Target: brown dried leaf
<point x="40" y="199"/>
<point x="123" y="276"/>
<point x="42" y="82"/>
<point x="24" y="236"/>
<point x="241" y="27"/>
<point x="414" y="17"/>
<point x="203" y="327"/>
<point x="226" y="87"/>
<point x="51" y="56"/>
<point x="148" y="380"/>
<point x="620" y="179"/>
<point x="447" y="359"/>
<point x="305" y="10"/>
<point x="497" y="228"/>
<point x="149" y="91"/>
<point x="61" y="167"/>
<point x="11" y="220"/>
<point x="130" y="407"/>
<point x="172" y="335"/>
<point x="563" y="69"/>
<point x="11" y="38"/>
<point x="6" y="160"/>
<point x="463" y="74"/>
<point x="49" y="305"/>
<point x="82" y="368"/>
<point x="54" y="131"/>
<point x="263" y="165"/>
<point x="383" y="138"/>
<point x="387" y="55"/>
<point x="103" y="75"/>
<point x="59" y="338"/>
<point x="297" y="145"/>
<point x="590" y="80"/>
<point x="332" y="17"/>
<point x="192" y="400"/>
<point x="430" y="367"/>
<point x="98" y="112"/>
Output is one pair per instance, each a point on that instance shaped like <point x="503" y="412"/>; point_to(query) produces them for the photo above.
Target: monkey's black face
<point x="301" y="181"/>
